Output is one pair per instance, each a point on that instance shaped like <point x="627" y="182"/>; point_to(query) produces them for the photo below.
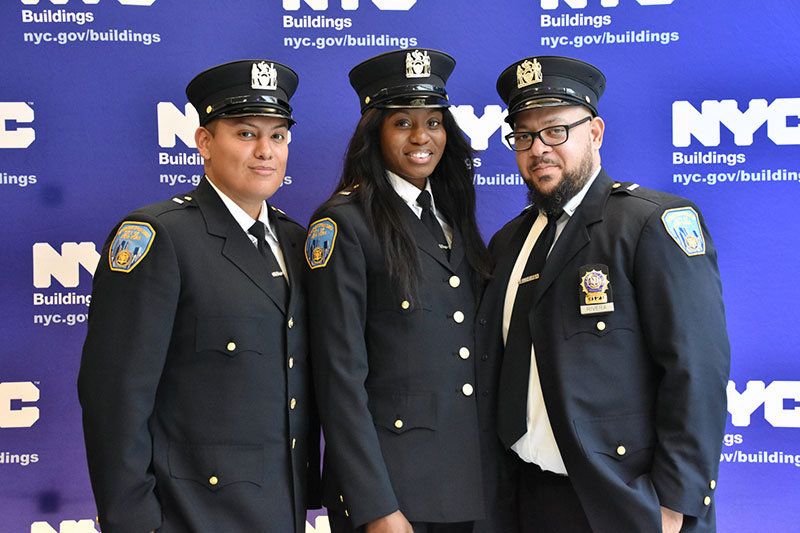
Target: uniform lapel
<point x="508" y="257"/>
<point x="238" y="248"/>
<point x="425" y="241"/>
<point x="576" y="233"/>
<point x="290" y="258"/>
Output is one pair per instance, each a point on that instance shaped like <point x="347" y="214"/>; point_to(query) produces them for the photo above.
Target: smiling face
<point x="558" y="172"/>
<point x="245" y="157"/>
<point x="412" y="143"/>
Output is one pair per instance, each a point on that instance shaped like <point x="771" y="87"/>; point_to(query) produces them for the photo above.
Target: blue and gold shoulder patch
<point x="130" y="245"/>
<point x="319" y="242"/>
<point x="683" y="225"/>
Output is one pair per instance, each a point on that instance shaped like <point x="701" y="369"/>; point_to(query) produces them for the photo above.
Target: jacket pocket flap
<point x="215" y="466"/>
<point x="231" y="335"/>
<point x="616" y="436"/>
<point x="399" y="411"/>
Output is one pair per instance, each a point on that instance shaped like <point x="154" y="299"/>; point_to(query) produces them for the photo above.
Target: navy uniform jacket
<point x="195" y="383"/>
<point x="395" y="376"/>
<point x="636" y="397"/>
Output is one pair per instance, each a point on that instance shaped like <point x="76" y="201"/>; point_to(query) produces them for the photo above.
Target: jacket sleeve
<point x="683" y="318"/>
<point x="129" y="330"/>
<point x="338" y="319"/>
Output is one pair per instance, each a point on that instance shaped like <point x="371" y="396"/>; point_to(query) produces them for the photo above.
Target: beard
<point x="571" y="183"/>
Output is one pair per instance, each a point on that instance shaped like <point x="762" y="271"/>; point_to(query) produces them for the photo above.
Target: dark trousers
<point x="341" y="524"/>
<point x="547" y="503"/>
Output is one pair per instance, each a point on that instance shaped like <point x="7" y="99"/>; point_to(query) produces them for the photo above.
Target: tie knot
<point x="552" y="218"/>
<point x="258" y="230"/>
<point x="424" y="200"/>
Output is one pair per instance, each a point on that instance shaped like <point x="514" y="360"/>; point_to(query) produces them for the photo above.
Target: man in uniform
<point x="195" y="386"/>
<point x="606" y="308"/>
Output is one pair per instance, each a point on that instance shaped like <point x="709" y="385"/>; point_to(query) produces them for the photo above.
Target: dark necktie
<point x="430" y="221"/>
<point x="258" y="230"/>
<point x="512" y="402"/>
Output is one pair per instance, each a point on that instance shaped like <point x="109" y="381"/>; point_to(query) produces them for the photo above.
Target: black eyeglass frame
<point x="535" y="134"/>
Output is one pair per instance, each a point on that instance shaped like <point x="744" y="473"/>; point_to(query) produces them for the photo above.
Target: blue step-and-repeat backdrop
<point x="703" y="100"/>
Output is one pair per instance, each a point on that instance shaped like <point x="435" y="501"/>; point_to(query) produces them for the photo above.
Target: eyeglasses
<point x="519" y="141"/>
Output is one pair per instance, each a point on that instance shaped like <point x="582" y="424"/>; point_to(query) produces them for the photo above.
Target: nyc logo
<point x="581" y="4"/>
<point x="12" y="135"/>
<point x="350" y="5"/>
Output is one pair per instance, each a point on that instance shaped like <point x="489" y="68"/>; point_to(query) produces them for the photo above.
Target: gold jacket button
<point x="713" y="484"/>
<point x="292" y="403"/>
<point x="463" y="352"/>
<point x="454" y="281"/>
<point x="601" y="326"/>
<point x="398" y="424"/>
<point x="231" y="346"/>
<point x="707" y="501"/>
<point x="405" y="304"/>
<point x="341" y="498"/>
<point x="621" y="450"/>
<point x="294" y="443"/>
<point x="458" y="316"/>
<point x="291" y="362"/>
<point x="467" y="389"/>
<point x="291" y="322"/>
<point x="213" y="480"/>
<point x="616" y="185"/>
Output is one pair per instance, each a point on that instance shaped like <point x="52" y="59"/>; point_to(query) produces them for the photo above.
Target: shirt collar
<point x="240" y="215"/>
<point x="407" y="191"/>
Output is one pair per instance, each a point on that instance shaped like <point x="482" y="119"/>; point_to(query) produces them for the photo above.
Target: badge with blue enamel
<point x="683" y="225"/>
<point x="130" y="245"/>
<point x="595" y="290"/>
<point x="319" y="242"/>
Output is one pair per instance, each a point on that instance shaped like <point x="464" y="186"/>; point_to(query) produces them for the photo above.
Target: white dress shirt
<point x="538" y="445"/>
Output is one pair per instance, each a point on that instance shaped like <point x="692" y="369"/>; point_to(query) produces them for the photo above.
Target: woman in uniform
<point x="396" y="264"/>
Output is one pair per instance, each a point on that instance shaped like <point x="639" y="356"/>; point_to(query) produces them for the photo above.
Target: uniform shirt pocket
<point x="216" y="465"/>
<point x="402" y="411"/>
<point x="231" y="335"/>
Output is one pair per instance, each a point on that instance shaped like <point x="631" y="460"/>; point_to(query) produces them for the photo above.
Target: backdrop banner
<point x="702" y="100"/>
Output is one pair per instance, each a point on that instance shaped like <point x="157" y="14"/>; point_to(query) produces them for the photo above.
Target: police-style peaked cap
<point x="403" y="78"/>
<point x="251" y="87"/>
<point x="549" y="81"/>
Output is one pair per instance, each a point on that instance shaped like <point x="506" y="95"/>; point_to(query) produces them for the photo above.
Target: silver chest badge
<point x="264" y="76"/>
<point x="528" y="73"/>
<point x="418" y="64"/>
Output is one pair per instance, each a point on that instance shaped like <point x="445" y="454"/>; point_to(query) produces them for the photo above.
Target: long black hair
<point x="364" y="174"/>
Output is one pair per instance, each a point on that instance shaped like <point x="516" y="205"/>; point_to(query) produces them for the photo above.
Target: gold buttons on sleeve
<point x="231" y="346"/>
<point x="463" y="352"/>
<point x="621" y="450"/>
<point x="291" y="362"/>
<point x="454" y="281"/>
<point x="291" y="322"/>
<point x="213" y="480"/>
<point x="405" y="304"/>
<point x="467" y="389"/>
<point x="601" y="326"/>
<point x="713" y="484"/>
<point x="292" y="403"/>
<point x="707" y="501"/>
<point x="458" y="316"/>
<point x="398" y="424"/>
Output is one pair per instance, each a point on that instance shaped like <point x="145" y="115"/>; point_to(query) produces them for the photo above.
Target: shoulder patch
<point x="683" y="225"/>
<point x="320" y="241"/>
<point x="130" y="245"/>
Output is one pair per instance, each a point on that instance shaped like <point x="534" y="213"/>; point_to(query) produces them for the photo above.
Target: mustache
<point x="542" y="160"/>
